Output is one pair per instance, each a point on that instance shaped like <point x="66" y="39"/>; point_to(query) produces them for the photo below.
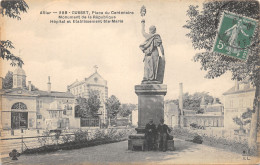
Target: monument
<point x="151" y="91"/>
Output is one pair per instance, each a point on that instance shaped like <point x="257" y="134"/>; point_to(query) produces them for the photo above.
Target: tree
<point x="82" y="108"/>
<point x="192" y="101"/>
<point x="12" y="9"/>
<point x="94" y="102"/>
<point x="112" y="106"/>
<point x="126" y="109"/>
<point x="88" y="107"/>
<point x="8" y="80"/>
<point x="244" y="119"/>
<point x="202" y="28"/>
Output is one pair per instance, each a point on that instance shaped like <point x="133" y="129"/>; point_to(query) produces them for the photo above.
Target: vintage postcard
<point x="129" y="82"/>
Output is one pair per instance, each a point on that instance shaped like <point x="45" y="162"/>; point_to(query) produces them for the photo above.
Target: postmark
<point x="234" y="35"/>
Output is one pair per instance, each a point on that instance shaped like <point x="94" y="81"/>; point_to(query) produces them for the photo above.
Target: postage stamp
<point x="234" y="36"/>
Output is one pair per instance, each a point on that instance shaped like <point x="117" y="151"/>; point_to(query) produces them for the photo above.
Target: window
<point x="19" y="120"/>
<point x="19" y="82"/>
<point x="19" y="105"/>
<point x="39" y="103"/>
<point x="39" y="116"/>
<point x="60" y="113"/>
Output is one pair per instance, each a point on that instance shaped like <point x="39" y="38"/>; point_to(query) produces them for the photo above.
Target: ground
<point x="186" y="152"/>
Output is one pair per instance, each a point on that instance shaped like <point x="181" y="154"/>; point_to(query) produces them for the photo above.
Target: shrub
<point x="56" y="137"/>
<point x="81" y="135"/>
<point x="46" y="136"/>
<point x="99" y="134"/>
<point x="111" y="134"/>
<point x="197" y="139"/>
<point x="66" y="138"/>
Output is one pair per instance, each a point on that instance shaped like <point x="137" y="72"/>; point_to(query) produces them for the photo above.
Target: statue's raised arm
<point x="143" y="29"/>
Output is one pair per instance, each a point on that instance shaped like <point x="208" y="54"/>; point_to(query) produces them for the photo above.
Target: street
<point x="185" y="152"/>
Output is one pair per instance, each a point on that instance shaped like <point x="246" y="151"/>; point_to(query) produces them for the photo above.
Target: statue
<point x="153" y="64"/>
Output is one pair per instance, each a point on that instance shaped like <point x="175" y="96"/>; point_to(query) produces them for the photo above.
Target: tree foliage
<point x="88" y="107"/>
<point x="192" y="101"/>
<point x="203" y="26"/>
<point x="94" y="102"/>
<point x="112" y="106"/>
<point x="6" y="54"/>
<point x="8" y="80"/>
<point x="81" y="109"/>
<point x="244" y="119"/>
<point x="126" y="109"/>
<point x="12" y="9"/>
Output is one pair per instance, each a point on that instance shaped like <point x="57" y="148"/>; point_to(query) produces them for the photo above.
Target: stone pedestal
<point x="150" y="106"/>
<point x="170" y="145"/>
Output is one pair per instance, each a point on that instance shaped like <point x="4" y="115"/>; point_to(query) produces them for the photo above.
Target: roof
<point x="233" y="91"/>
<point x="38" y="93"/>
<point x="95" y="74"/>
<point x="54" y="94"/>
<point x="19" y="71"/>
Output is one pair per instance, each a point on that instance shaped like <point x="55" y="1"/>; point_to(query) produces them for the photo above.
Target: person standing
<point x="150" y="133"/>
<point x="163" y="132"/>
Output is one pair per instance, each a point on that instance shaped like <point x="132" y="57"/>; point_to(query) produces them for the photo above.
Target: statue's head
<point x="152" y="29"/>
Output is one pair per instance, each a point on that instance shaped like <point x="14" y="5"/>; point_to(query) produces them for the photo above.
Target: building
<point x="134" y="117"/>
<point x="23" y="107"/>
<point x="171" y="114"/>
<point x="177" y="116"/>
<point x="212" y="116"/>
<point x="236" y="101"/>
<point x="93" y="82"/>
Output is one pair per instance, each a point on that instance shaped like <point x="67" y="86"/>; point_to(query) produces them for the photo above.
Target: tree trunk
<point x="252" y="141"/>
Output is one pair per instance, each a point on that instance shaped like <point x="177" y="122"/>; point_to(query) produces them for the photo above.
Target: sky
<point x="67" y="52"/>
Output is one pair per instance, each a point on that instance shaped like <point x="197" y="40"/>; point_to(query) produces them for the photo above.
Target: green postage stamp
<point x="234" y="35"/>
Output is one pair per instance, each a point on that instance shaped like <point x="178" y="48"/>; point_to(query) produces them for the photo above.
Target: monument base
<point x="138" y="140"/>
<point x="150" y="106"/>
<point x="150" y="103"/>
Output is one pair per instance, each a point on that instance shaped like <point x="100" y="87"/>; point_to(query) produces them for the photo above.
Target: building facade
<point x="25" y="108"/>
<point x="236" y="101"/>
<point x="93" y="82"/>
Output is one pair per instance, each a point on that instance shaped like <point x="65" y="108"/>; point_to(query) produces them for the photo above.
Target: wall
<point x="204" y="120"/>
<point x="7" y="103"/>
<point x="171" y="113"/>
<point x="235" y="105"/>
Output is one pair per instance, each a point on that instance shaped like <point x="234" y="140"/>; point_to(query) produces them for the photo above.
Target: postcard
<point x="129" y="82"/>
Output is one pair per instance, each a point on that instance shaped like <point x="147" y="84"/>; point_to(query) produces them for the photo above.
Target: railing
<point x="35" y="139"/>
<point x="85" y="122"/>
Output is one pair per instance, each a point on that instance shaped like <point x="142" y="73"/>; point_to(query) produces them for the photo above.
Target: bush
<point x="66" y="138"/>
<point x="56" y="137"/>
<point x="197" y="139"/>
<point x="45" y="139"/>
<point x="82" y="139"/>
<point x="81" y="135"/>
<point x="111" y="134"/>
<point x="99" y="134"/>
